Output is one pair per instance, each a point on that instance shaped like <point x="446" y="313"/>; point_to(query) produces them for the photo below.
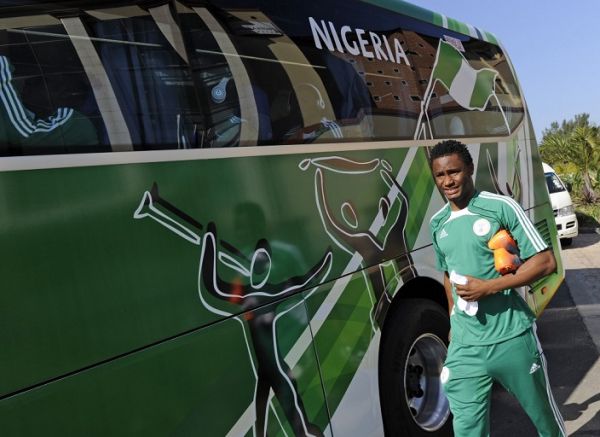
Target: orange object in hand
<point x="506" y="252"/>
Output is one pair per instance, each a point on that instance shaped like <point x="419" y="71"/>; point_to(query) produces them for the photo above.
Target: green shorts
<point x="519" y="365"/>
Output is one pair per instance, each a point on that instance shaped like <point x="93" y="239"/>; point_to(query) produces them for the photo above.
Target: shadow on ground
<point x="570" y="353"/>
<point x="591" y="239"/>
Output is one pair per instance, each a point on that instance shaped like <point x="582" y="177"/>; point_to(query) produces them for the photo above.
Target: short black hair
<point x="450" y="147"/>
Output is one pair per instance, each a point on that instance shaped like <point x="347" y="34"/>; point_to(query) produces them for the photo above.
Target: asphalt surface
<point x="569" y="330"/>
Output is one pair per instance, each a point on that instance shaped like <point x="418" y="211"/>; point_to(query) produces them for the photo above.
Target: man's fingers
<point x="461" y="291"/>
<point x="465" y="295"/>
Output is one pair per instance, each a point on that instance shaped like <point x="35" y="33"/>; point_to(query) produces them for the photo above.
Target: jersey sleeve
<point x="525" y="234"/>
<point x="440" y="260"/>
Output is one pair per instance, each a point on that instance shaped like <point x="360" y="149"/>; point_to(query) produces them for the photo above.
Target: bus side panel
<point x="347" y="317"/>
<point x="543" y="290"/>
<point x="540" y="213"/>
<point x="202" y="383"/>
<point x="114" y="253"/>
<point x="175" y="386"/>
<point x="543" y="218"/>
<point x="347" y="344"/>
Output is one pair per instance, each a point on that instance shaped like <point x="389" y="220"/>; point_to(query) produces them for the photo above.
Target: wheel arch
<point x="421" y="287"/>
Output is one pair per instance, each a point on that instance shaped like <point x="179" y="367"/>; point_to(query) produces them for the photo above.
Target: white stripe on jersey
<point x="456" y="214"/>
<point x="17" y="113"/>
<point x="557" y="416"/>
<point x="532" y="233"/>
<point x="439" y="212"/>
<point x="5" y="95"/>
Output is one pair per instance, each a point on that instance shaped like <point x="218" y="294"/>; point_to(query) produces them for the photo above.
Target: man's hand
<point x="539" y="265"/>
<point x="474" y="289"/>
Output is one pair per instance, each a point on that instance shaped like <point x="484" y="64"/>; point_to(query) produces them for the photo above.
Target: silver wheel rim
<point x="423" y="388"/>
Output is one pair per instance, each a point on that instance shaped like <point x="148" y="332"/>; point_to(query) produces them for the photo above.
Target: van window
<point x="554" y="183"/>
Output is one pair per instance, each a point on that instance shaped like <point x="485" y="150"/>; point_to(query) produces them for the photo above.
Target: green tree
<point x="575" y="142"/>
<point x="567" y="126"/>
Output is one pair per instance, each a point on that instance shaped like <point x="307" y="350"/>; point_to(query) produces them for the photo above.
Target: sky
<point x="554" y="46"/>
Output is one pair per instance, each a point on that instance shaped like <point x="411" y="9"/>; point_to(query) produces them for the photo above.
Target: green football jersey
<point x="19" y="127"/>
<point x="460" y="239"/>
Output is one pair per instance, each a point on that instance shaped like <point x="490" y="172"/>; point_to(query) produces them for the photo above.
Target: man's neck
<point x="462" y="203"/>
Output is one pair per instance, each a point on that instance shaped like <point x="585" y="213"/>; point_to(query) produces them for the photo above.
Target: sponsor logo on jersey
<point x="443" y="234"/>
<point x="534" y="367"/>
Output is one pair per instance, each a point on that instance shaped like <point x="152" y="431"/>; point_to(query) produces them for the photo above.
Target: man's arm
<point x="448" y="288"/>
<point x="538" y="266"/>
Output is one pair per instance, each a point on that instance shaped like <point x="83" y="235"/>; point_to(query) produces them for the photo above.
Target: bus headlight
<point x="567" y="210"/>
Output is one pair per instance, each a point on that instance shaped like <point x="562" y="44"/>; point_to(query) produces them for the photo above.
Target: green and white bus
<point x="215" y="214"/>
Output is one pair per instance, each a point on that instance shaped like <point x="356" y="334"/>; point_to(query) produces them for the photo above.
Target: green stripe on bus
<point x="348" y="371"/>
<point x="344" y="376"/>
<point x="438" y="19"/>
<point x="344" y="326"/>
<point x="414" y="226"/>
<point x="489" y="37"/>
<point x="420" y="186"/>
<point x="404" y="8"/>
<point x="458" y="26"/>
<point x="353" y="307"/>
<point x="311" y="391"/>
<point x="484" y="178"/>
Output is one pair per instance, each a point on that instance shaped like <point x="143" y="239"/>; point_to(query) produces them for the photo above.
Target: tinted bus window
<point x="237" y="73"/>
<point x="103" y="80"/>
<point x="356" y="73"/>
<point x="47" y="104"/>
<point x="151" y="80"/>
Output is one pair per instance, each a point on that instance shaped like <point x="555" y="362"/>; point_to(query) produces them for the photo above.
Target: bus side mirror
<point x="569" y="186"/>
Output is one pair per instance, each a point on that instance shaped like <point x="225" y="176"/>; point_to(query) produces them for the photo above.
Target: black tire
<point x="411" y="359"/>
<point x="565" y="242"/>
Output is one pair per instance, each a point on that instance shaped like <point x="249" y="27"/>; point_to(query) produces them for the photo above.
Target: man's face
<point x="454" y="178"/>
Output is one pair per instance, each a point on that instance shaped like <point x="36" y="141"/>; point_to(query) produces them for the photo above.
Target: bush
<point x="588" y="215"/>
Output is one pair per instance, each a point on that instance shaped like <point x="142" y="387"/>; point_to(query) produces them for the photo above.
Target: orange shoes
<point x="506" y="252"/>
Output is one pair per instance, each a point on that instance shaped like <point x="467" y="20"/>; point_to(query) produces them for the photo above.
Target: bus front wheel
<point x="413" y="353"/>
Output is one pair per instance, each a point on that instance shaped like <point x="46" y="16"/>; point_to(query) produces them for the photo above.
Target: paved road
<point x="569" y="331"/>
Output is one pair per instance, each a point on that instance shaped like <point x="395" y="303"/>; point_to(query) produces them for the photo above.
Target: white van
<point x="562" y="205"/>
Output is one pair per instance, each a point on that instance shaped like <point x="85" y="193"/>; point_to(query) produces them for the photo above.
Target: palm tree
<point x="586" y="143"/>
